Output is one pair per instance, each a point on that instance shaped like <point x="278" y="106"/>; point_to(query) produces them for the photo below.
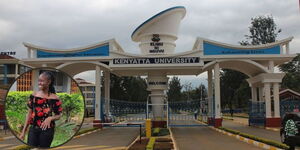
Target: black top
<point x="42" y="108"/>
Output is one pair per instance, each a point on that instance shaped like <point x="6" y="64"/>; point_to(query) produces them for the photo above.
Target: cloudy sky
<point x="76" y="23"/>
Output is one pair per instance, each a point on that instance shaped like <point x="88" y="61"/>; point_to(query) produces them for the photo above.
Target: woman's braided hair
<point x="50" y="77"/>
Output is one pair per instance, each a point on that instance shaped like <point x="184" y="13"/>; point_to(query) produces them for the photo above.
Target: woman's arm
<point x="55" y="117"/>
<point x="47" y="123"/>
<point x="26" y="124"/>
<point x="57" y="108"/>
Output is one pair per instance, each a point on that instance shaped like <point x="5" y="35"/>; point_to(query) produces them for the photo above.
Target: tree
<point x="186" y="94"/>
<point x="128" y="88"/>
<point x="117" y="91"/>
<point x="234" y="87"/>
<point x="292" y="78"/>
<point x="263" y="30"/>
<point x="235" y="91"/>
<point x="135" y="88"/>
<point x="199" y="92"/>
<point x="174" y="92"/>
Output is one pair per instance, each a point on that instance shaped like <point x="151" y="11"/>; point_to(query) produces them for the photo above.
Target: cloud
<point x="69" y="24"/>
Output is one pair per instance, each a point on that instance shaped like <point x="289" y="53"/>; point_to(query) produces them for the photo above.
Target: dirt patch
<point x="163" y="144"/>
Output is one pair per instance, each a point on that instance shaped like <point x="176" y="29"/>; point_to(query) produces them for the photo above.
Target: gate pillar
<point x="268" y="84"/>
<point x="157" y="84"/>
<point x="97" y="98"/>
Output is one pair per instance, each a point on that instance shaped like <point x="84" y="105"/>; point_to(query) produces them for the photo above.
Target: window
<point x="23" y="69"/>
<point x="90" y="88"/>
<point x="11" y="68"/>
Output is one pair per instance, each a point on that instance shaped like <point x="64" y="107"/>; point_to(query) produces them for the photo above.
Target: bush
<point x="160" y="131"/>
<point x="155" y="131"/>
<point x="72" y="104"/>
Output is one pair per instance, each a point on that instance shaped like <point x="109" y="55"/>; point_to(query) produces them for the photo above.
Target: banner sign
<point x="210" y="49"/>
<point x="160" y="60"/>
<point x="98" y="51"/>
<point x="8" y="53"/>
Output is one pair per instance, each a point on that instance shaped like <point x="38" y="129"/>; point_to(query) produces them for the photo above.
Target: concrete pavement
<point x="204" y="138"/>
<point x="259" y="132"/>
<point x="107" y="139"/>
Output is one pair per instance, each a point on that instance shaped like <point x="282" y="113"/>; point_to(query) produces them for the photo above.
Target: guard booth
<point x="289" y="101"/>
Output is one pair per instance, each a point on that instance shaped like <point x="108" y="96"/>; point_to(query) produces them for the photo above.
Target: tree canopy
<point x="292" y="78"/>
<point x="263" y="30"/>
<point x="128" y="88"/>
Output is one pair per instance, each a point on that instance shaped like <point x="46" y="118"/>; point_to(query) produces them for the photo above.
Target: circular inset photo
<point x="44" y="108"/>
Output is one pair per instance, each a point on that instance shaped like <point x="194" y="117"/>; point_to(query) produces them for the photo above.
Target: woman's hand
<point x="47" y="123"/>
<point x="22" y="135"/>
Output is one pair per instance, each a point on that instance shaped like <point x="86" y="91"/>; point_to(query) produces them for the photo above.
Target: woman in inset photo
<point x="44" y="107"/>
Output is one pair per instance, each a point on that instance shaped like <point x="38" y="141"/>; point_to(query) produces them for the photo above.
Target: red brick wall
<point x="1" y="112"/>
<point x="2" y="96"/>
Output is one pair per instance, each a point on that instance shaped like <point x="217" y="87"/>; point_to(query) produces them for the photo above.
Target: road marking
<point x="5" y="145"/>
<point x="14" y="147"/>
<point x="115" y="148"/>
<point x="91" y="147"/>
<point x="70" y="146"/>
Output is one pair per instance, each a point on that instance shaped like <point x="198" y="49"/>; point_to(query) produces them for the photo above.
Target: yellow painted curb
<point x="250" y="141"/>
<point x="173" y="139"/>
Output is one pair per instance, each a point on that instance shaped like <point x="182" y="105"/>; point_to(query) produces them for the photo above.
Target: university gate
<point x="157" y="61"/>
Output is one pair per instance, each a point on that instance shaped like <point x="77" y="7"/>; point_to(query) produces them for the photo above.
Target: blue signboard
<point x="211" y="49"/>
<point x="98" y="51"/>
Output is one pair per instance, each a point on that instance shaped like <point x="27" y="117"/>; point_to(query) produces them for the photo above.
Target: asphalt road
<point x="113" y="138"/>
<point x="260" y="132"/>
<point x="204" y="138"/>
<point x="107" y="139"/>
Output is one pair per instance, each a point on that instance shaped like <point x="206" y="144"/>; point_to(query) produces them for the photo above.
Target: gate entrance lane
<point x="124" y="111"/>
<point x="187" y="113"/>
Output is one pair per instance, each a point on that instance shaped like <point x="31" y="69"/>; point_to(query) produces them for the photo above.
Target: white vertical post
<point x="217" y="91"/>
<point x="271" y="66"/>
<point x="16" y="70"/>
<point x="267" y="89"/>
<point x="261" y="93"/>
<point x="68" y="85"/>
<point x="28" y="53"/>
<point x="107" y="91"/>
<point x="287" y="48"/>
<point x="276" y="100"/>
<point x="254" y="93"/>
<point x="97" y="93"/>
<point x="209" y="93"/>
<point x="35" y="76"/>
<point x="34" y="53"/>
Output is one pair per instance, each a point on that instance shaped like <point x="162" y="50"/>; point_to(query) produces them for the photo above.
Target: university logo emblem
<point x="155" y="38"/>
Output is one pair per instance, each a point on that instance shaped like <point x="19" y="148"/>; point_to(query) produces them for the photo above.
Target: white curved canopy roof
<point x="165" y="22"/>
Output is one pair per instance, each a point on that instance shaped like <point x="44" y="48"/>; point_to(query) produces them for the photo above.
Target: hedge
<point x="156" y="131"/>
